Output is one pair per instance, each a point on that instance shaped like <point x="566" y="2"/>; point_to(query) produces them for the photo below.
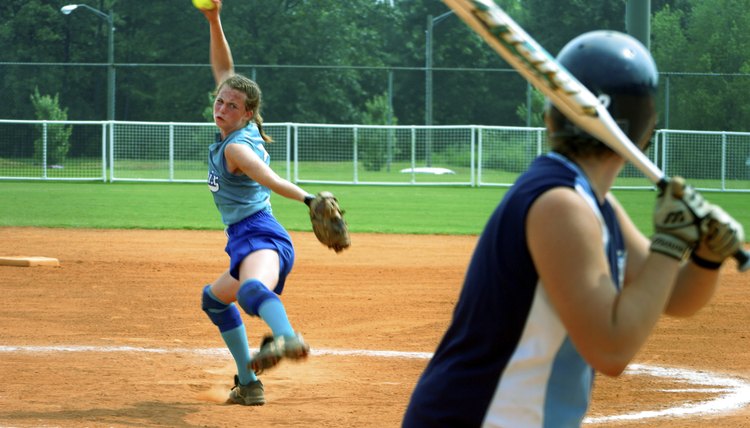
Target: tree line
<point x="328" y="61"/>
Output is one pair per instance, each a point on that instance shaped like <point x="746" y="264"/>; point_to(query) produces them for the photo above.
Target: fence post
<point x="413" y="154"/>
<point x="665" y="143"/>
<point x="354" y="155"/>
<point x="288" y="151"/>
<point x="480" y="154"/>
<point x="723" y="161"/>
<point x="171" y="152"/>
<point x="296" y="153"/>
<point x="472" y="180"/>
<point x="539" y="141"/>
<point x="104" y="154"/>
<point x="44" y="149"/>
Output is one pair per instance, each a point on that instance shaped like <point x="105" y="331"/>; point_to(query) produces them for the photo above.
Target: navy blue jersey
<point x="506" y="359"/>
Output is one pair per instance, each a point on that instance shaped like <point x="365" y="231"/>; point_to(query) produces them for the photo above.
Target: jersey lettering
<point x="213" y="181"/>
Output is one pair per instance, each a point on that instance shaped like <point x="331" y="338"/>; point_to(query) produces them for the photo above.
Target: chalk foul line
<point x="732" y="393"/>
<point x="729" y="393"/>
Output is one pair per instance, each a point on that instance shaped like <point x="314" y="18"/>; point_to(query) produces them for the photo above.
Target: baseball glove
<point x="327" y="220"/>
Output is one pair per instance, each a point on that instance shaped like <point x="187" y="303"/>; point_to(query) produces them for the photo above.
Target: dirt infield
<point x="115" y="336"/>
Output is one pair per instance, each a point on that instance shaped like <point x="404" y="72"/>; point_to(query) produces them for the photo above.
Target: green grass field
<point x="380" y="209"/>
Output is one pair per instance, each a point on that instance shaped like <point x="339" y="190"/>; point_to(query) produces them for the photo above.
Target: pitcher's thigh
<point x="262" y="265"/>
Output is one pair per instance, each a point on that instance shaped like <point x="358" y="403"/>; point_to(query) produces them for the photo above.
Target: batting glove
<point x="722" y="236"/>
<point x="677" y="219"/>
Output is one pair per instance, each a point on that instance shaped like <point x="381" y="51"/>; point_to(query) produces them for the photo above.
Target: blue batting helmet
<point x="620" y="71"/>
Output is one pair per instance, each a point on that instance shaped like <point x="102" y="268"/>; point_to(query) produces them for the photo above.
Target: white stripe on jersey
<point x="520" y="397"/>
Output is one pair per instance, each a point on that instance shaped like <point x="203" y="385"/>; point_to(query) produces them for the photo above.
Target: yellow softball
<point x="204" y="4"/>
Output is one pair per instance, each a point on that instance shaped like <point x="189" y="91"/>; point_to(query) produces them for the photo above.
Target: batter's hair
<point x="253" y="98"/>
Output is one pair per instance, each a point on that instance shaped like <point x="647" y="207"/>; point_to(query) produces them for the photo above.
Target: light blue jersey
<point x="506" y="359"/>
<point x="237" y="196"/>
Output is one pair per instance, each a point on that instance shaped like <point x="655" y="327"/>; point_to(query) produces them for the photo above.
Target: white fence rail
<point x="341" y="154"/>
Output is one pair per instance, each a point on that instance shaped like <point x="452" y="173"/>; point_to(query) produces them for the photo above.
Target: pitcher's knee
<point x="252" y="294"/>
<point x="224" y="316"/>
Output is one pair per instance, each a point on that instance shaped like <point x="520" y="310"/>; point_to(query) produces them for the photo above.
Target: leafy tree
<point x="378" y="111"/>
<point x="707" y="38"/>
<point x="208" y="112"/>
<point x="700" y="45"/>
<point x="377" y="149"/>
<point x="553" y="23"/>
<point x="537" y="109"/>
<point x="26" y="36"/>
<point x="670" y="44"/>
<point x="318" y="34"/>
<point x="720" y="52"/>
<point x="57" y="142"/>
<point x="321" y="61"/>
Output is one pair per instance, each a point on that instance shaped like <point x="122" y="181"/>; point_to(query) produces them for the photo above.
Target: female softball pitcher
<point x="561" y="283"/>
<point x="260" y="249"/>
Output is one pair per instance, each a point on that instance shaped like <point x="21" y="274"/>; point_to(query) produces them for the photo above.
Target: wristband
<point x="309" y="199"/>
<point x="670" y="246"/>
<point x="705" y="264"/>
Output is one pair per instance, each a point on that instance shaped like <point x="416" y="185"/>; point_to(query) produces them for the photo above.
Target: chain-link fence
<point x="342" y="154"/>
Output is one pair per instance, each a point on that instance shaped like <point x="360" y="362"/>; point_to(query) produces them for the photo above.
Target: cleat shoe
<point x="246" y="395"/>
<point x="272" y="350"/>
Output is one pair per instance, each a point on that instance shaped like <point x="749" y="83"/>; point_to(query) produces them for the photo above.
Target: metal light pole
<point x="66" y="10"/>
<point x="638" y="20"/>
<point x="431" y="23"/>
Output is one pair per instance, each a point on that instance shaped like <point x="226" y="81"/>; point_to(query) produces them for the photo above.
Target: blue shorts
<point x="260" y="231"/>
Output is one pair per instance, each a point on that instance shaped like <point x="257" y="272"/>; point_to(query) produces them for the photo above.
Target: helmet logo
<point x="605" y="99"/>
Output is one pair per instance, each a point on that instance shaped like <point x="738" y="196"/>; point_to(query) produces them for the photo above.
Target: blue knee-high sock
<point x="272" y="311"/>
<point x="256" y="299"/>
<point x="236" y="341"/>
<point x="227" y="318"/>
